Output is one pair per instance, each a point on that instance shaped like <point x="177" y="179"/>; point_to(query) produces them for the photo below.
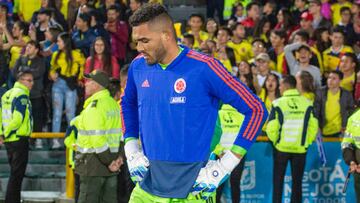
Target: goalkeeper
<point x="170" y="104"/>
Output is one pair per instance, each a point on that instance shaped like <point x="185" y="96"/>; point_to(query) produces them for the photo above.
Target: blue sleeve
<point x="19" y="105"/>
<point x="129" y="108"/>
<point x="231" y="91"/>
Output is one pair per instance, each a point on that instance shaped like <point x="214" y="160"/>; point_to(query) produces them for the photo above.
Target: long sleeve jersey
<point x="174" y="112"/>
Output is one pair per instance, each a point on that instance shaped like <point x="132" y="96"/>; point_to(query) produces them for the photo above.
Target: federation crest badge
<point x="180" y="85"/>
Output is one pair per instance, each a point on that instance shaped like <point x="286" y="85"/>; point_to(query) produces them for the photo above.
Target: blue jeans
<point x="60" y="93"/>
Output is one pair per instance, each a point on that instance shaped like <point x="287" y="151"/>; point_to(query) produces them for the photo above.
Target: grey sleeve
<point x="290" y="58"/>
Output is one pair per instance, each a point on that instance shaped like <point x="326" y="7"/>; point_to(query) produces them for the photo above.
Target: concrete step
<point x="56" y="184"/>
<point x="41" y="197"/>
<point x="35" y="168"/>
<point x="38" y="155"/>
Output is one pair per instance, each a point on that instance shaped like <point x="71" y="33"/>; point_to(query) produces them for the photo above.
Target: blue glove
<point x="137" y="162"/>
<point x="214" y="174"/>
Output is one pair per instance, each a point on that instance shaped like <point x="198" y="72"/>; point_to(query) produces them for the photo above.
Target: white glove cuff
<point x="131" y="147"/>
<point x="229" y="161"/>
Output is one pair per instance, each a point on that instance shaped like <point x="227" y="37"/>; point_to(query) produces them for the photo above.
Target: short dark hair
<point x="345" y="8"/>
<point x="46" y="11"/>
<point x="35" y="44"/>
<point x="189" y="37"/>
<point x="289" y="80"/>
<point x="86" y="18"/>
<point x="258" y="40"/>
<point x="337" y="72"/>
<point x="353" y="58"/>
<point x="337" y="29"/>
<point x="226" y="29"/>
<point x="280" y="33"/>
<point x="236" y="25"/>
<point x="197" y="15"/>
<point x="24" y="71"/>
<point x="113" y="7"/>
<point x="146" y="13"/>
<point x="250" y="5"/>
<point x="303" y="34"/>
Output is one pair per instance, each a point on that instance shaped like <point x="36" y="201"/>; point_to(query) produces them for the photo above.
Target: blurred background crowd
<point x="317" y="41"/>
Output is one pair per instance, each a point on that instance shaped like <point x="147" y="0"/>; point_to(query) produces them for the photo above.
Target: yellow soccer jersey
<point x="242" y="51"/>
<point x="331" y="59"/>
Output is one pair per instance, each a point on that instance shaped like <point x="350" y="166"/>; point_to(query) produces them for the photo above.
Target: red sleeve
<point x="115" y="68"/>
<point x="87" y="65"/>
<point x="122" y="33"/>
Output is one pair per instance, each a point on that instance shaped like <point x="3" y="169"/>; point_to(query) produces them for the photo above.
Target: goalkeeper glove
<point x="137" y="162"/>
<point x="213" y="174"/>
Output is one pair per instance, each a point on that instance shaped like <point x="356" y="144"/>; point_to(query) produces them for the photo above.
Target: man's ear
<point x="165" y="36"/>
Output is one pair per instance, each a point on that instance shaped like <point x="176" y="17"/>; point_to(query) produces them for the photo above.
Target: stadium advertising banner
<point x="321" y="184"/>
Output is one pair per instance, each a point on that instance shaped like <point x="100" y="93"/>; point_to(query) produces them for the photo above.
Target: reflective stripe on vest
<point x="92" y="150"/>
<point x="100" y="132"/>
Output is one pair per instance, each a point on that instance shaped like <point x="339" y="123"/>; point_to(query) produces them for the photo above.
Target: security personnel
<point x="16" y="128"/>
<point x="70" y="143"/>
<point x="97" y="145"/>
<point x="291" y="128"/>
<point x="230" y="121"/>
<point x="351" y="149"/>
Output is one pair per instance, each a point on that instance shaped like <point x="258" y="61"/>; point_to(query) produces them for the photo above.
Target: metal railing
<point x="70" y="180"/>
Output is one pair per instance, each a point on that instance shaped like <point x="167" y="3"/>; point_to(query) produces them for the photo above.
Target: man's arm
<point x="347" y="145"/>
<point x="290" y="58"/>
<point x="129" y="109"/>
<point x="231" y="91"/>
<point x="18" y="115"/>
<point x="273" y="125"/>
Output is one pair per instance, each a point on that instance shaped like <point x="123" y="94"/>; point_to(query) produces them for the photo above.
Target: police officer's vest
<point x="10" y="101"/>
<point x="70" y="140"/>
<point x="99" y="124"/>
<point x="293" y="114"/>
<point x="352" y="133"/>
<point x="231" y="121"/>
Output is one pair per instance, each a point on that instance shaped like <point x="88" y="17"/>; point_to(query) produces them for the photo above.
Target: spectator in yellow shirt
<point x="348" y="65"/>
<point x="331" y="56"/>
<point x="333" y="105"/>
<point x="269" y="92"/>
<point x="17" y="40"/>
<point x="276" y="53"/>
<point x="196" y="22"/>
<point x="241" y="47"/>
<point x="336" y="7"/>
<point x="258" y="46"/>
<point x="188" y="40"/>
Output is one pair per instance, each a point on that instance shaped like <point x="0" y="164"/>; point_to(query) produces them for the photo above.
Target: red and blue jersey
<point x="174" y="112"/>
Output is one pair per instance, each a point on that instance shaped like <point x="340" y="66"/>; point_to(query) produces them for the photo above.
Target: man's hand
<point x="353" y="167"/>
<point x="214" y="174"/>
<point x="115" y="165"/>
<point x="137" y="162"/>
<point x="357" y="168"/>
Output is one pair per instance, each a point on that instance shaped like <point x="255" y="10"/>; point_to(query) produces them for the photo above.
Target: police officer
<point x="291" y="128"/>
<point x="351" y="149"/>
<point x="97" y="145"/>
<point x="16" y="128"/>
<point x="70" y="143"/>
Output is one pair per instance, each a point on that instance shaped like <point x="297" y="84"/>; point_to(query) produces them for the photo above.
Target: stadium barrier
<point x="69" y="180"/>
<point x="321" y="183"/>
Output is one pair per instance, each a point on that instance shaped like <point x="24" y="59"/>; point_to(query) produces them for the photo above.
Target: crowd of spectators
<point x="317" y="41"/>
